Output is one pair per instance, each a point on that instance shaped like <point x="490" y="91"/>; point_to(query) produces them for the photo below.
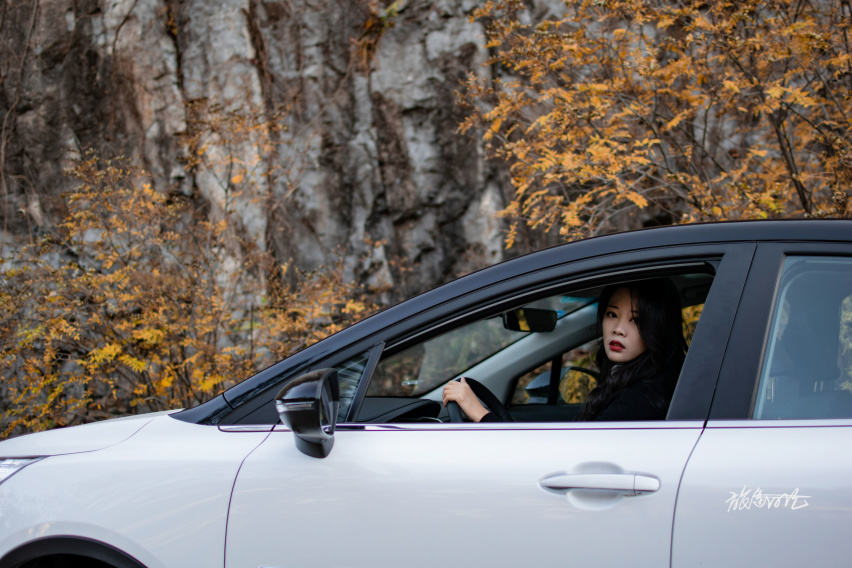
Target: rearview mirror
<point x="308" y="405"/>
<point x="530" y="319"/>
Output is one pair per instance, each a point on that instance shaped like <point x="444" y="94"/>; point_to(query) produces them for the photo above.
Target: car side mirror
<point x="308" y="405"/>
<point x="530" y="319"/>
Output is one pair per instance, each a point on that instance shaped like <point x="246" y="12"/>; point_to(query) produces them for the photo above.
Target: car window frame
<point x="698" y="378"/>
<point x="739" y="378"/>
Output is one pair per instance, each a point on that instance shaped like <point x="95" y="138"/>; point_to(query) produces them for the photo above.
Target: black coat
<point x="647" y="399"/>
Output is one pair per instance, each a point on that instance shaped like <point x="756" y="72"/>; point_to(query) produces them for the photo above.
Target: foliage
<point x="134" y="303"/>
<point x="243" y="147"/>
<point x="377" y="23"/>
<point x="694" y="111"/>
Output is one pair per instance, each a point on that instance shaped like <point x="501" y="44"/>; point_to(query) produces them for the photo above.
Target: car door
<point x="504" y="494"/>
<point x="770" y="480"/>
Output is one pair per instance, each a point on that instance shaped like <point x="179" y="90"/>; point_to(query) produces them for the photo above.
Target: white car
<point x="343" y="455"/>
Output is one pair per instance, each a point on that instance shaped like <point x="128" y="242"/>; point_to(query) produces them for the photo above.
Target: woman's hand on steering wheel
<point x="461" y="393"/>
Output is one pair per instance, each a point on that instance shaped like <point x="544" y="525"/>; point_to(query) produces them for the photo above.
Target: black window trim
<point x="364" y="382"/>
<point x="739" y="378"/>
<point x="730" y="261"/>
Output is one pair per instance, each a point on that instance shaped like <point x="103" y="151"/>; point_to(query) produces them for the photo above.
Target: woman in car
<point x="639" y="356"/>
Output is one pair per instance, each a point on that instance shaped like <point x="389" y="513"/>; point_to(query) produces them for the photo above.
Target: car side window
<point x="807" y="368"/>
<point x="536" y="358"/>
<point x="349" y="373"/>
<point x="429" y="365"/>
<point x="425" y="366"/>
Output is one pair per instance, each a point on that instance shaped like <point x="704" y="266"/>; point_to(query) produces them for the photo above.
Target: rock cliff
<point x="366" y="160"/>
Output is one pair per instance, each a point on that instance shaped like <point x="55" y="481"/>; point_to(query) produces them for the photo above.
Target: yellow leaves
<point x="800" y="97"/>
<point x="494" y="129"/>
<point x="149" y="335"/>
<point x="791" y="95"/>
<point x="677" y="119"/>
<point x="647" y="143"/>
<point x="840" y="63"/>
<point x="355" y="308"/>
<point x="570" y="218"/>
<point x="635" y="198"/>
<point x="665" y="22"/>
<point x="547" y="161"/>
<point x="206" y="381"/>
<point x="600" y="152"/>
<point x="105" y="354"/>
<point x="595" y="88"/>
<point x="775" y="91"/>
<point x="132" y="363"/>
<point x="30" y="335"/>
<point x="570" y="161"/>
<point x="237" y="179"/>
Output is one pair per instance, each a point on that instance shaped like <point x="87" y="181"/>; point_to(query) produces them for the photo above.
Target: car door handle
<point x="626" y="483"/>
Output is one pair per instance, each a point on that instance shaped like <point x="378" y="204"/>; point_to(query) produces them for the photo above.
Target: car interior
<point x="537" y="358"/>
<point x="807" y="369"/>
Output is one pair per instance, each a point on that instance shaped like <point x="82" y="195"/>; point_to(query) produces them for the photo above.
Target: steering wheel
<point x="486" y="396"/>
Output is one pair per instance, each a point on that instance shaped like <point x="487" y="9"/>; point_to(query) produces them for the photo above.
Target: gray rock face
<point x="373" y="166"/>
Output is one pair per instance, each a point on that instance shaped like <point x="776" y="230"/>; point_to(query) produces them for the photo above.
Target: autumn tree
<point x="687" y="110"/>
<point x="142" y="300"/>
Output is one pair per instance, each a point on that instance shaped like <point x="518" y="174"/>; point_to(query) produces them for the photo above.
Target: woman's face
<point x="621" y="338"/>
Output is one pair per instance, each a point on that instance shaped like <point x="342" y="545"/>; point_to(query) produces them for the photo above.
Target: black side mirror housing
<point x="530" y="319"/>
<point x="308" y="405"/>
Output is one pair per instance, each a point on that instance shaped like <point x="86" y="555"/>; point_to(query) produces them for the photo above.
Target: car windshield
<point x="424" y="367"/>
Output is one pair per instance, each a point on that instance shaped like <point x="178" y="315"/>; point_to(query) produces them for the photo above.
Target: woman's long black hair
<point x="660" y="323"/>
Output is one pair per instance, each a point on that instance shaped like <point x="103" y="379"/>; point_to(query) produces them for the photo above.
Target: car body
<point x="367" y="470"/>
